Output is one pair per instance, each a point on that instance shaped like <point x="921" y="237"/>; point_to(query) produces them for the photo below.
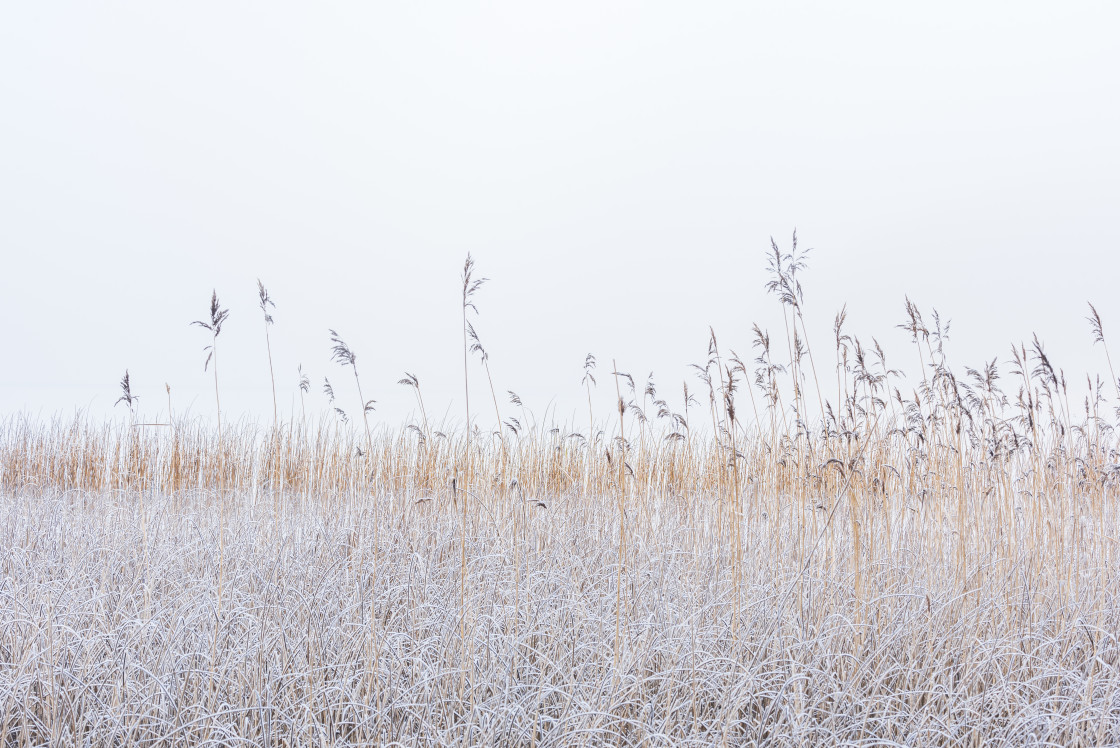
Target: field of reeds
<point x="797" y="556"/>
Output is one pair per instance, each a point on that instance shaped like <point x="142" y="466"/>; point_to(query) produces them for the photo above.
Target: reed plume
<point x="266" y="302"/>
<point x="214" y="327"/>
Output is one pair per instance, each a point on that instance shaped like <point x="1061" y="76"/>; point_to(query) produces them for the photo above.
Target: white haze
<point x="617" y="170"/>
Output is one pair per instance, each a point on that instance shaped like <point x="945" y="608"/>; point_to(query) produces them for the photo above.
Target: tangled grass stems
<point x="311" y="644"/>
<point x="954" y="557"/>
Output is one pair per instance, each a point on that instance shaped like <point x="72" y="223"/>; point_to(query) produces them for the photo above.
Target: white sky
<point x="616" y="170"/>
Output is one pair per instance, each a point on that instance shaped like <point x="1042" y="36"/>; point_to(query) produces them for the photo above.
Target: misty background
<point x="617" y="170"/>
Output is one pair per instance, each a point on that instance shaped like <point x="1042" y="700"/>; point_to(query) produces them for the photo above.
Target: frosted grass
<point x="337" y="623"/>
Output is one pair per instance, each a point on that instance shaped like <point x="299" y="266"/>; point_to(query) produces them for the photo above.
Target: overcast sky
<point x="616" y="169"/>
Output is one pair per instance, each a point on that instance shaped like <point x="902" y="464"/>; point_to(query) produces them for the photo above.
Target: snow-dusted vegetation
<point x="875" y="603"/>
<point x="932" y="570"/>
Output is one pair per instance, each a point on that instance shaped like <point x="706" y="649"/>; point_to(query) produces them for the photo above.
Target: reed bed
<point x="938" y="569"/>
<point x="291" y="588"/>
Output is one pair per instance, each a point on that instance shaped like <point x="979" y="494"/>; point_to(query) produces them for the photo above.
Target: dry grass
<point x="934" y="570"/>
<point x="158" y="589"/>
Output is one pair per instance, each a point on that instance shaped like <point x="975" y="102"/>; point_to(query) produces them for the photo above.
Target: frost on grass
<point x="207" y="618"/>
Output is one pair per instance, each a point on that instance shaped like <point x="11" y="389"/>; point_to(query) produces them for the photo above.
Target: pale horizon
<point x="617" y="171"/>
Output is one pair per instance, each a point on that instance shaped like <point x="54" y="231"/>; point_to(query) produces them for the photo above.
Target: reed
<point x="130" y="400"/>
<point x="266" y="302"/>
<point x="470" y="287"/>
<point x="341" y="353"/>
<point x="937" y="568"/>
<point x="214" y="327"/>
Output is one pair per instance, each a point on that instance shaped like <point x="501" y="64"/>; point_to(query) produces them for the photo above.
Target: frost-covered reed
<point x="164" y="587"/>
<point x="338" y="622"/>
<point x="765" y="563"/>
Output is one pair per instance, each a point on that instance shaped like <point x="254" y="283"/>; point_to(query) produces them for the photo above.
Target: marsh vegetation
<point x="780" y="554"/>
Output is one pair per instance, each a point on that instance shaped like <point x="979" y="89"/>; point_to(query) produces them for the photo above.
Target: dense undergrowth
<point x="766" y="563"/>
